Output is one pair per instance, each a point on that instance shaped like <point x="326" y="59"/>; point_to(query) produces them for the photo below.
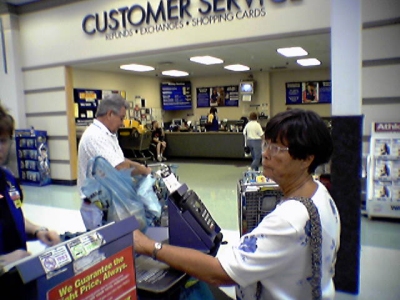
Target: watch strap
<point x="157" y="247"/>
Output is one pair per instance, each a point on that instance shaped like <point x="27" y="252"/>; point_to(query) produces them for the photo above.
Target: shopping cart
<point x="255" y="200"/>
<point x="135" y="145"/>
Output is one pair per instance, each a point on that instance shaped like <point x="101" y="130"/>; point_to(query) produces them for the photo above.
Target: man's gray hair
<point x="113" y="102"/>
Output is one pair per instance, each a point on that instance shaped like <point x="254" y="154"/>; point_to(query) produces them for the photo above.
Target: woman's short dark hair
<point x="213" y="110"/>
<point x="304" y="132"/>
<point x="6" y="122"/>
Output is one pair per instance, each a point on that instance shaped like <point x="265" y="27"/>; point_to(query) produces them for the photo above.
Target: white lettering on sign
<point x="388" y="126"/>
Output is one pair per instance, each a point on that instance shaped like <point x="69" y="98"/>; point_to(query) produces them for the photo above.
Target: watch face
<point x="157" y="246"/>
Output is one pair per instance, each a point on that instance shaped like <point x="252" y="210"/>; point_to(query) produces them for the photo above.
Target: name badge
<point x="15" y="197"/>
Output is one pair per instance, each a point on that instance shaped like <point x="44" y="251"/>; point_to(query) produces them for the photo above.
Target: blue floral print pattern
<point x="249" y="244"/>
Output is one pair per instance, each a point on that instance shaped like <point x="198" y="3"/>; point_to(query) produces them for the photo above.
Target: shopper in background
<point x="14" y="228"/>
<point x="280" y="258"/>
<point x="100" y="139"/>
<point x="212" y="120"/>
<point x="157" y="140"/>
<point x="253" y="134"/>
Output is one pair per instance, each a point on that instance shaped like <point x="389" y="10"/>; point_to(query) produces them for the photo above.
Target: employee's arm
<point x="49" y="237"/>
<point x="195" y="263"/>
<point x="138" y="169"/>
<point x="8" y="258"/>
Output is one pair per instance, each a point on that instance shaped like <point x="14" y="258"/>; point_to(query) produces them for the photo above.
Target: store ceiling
<point x="259" y="55"/>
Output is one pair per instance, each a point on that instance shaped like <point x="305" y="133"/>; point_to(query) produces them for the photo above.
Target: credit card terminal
<point x="191" y="202"/>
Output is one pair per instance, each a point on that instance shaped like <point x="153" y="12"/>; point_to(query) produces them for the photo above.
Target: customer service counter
<point x="205" y="144"/>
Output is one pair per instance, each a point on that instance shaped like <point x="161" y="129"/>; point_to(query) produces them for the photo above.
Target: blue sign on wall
<point x="218" y="96"/>
<point x="176" y="95"/>
<point x="309" y="92"/>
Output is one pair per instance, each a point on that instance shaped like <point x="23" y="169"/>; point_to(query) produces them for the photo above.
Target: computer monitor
<point x="203" y="120"/>
<point x="177" y="122"/>
<point x="246" y="87"/>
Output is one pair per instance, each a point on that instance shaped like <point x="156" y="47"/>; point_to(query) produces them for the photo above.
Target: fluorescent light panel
<point x="137" y="68"/>
<point x="175" y="73"/>
<point x="292" y="51"/>
<point x="237" y="68"/>
<point x="206" y="60"/>
<point x="306" y="62"/>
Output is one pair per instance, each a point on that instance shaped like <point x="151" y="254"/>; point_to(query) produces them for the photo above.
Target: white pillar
<point x="11" y="76"/>
<point x="346" y="63"/>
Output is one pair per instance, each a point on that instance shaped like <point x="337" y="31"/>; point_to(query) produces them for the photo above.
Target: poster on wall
<point x="309" y="92"/>
<point x="86" y="102"/>
<point x="218" y="96"/>
<point x="176" y="95"/>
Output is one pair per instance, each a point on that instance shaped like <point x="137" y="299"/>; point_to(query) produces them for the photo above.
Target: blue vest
<point x="12" y="234"/>
<point x="214" y="125"/>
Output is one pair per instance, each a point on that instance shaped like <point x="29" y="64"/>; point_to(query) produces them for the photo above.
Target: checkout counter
<point x="197" y="142"/>
<point x="220" y="144"/>
<point x="101" y="263"/>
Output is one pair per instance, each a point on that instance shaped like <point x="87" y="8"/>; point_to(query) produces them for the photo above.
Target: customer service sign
<point x="153" y="17"/>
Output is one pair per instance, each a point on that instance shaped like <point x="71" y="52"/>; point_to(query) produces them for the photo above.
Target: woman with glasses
<point x="291" y="254"/>
<point x="14" y="228"/>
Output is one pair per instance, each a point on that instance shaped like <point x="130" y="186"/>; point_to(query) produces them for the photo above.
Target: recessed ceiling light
<point x="308" y="62"/>
<point x="206" y="60"/>
<point x="237" y="68"/>
<point x="136" y="68"/>
<point x="175" y="73"/>
<point x="292" y="51"/>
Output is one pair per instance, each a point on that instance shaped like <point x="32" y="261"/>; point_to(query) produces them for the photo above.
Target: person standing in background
<point x="212" y="120"/>
<point x="253" y="134"/>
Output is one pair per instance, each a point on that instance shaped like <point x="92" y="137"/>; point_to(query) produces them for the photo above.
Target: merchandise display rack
<point x="383" y="184"/>
<point x="255" y="200"/>
<point x="33" y="156"/>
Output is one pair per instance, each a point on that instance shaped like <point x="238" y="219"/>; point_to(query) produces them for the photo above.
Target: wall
<point x="381" y="64"/>
<point x="63" y="35"/>
<point x="149" y="88"/>
<point x="48" y="102"/>
<point x="278" y="90"/>
<point x="145" y="87"/>
<point x="261" y="95"/>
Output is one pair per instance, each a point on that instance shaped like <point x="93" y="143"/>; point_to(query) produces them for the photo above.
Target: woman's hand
<point x="49" y="237"/>
<point x="13" y="256"/>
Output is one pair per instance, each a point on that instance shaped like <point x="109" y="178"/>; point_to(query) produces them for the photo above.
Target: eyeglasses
<point x="273" y="149"/>
<point x="122" y="118"/>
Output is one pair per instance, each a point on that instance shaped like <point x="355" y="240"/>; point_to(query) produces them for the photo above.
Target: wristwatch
<point x="38" y="230"/>
<point x="157" y="247"/>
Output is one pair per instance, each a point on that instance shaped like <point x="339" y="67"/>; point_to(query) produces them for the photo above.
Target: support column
<point x="346" y="26"/>
<point x="11" y="77"/>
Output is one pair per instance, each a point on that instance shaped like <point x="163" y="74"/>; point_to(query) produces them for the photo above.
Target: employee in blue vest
<point x="14" y="228"/>
<point x="212" y="120"/>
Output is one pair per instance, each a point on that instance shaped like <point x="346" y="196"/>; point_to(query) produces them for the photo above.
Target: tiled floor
<point x="216" y="184"/>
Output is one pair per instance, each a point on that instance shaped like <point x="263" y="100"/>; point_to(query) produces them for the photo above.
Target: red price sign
<point x="112" y="278"/>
